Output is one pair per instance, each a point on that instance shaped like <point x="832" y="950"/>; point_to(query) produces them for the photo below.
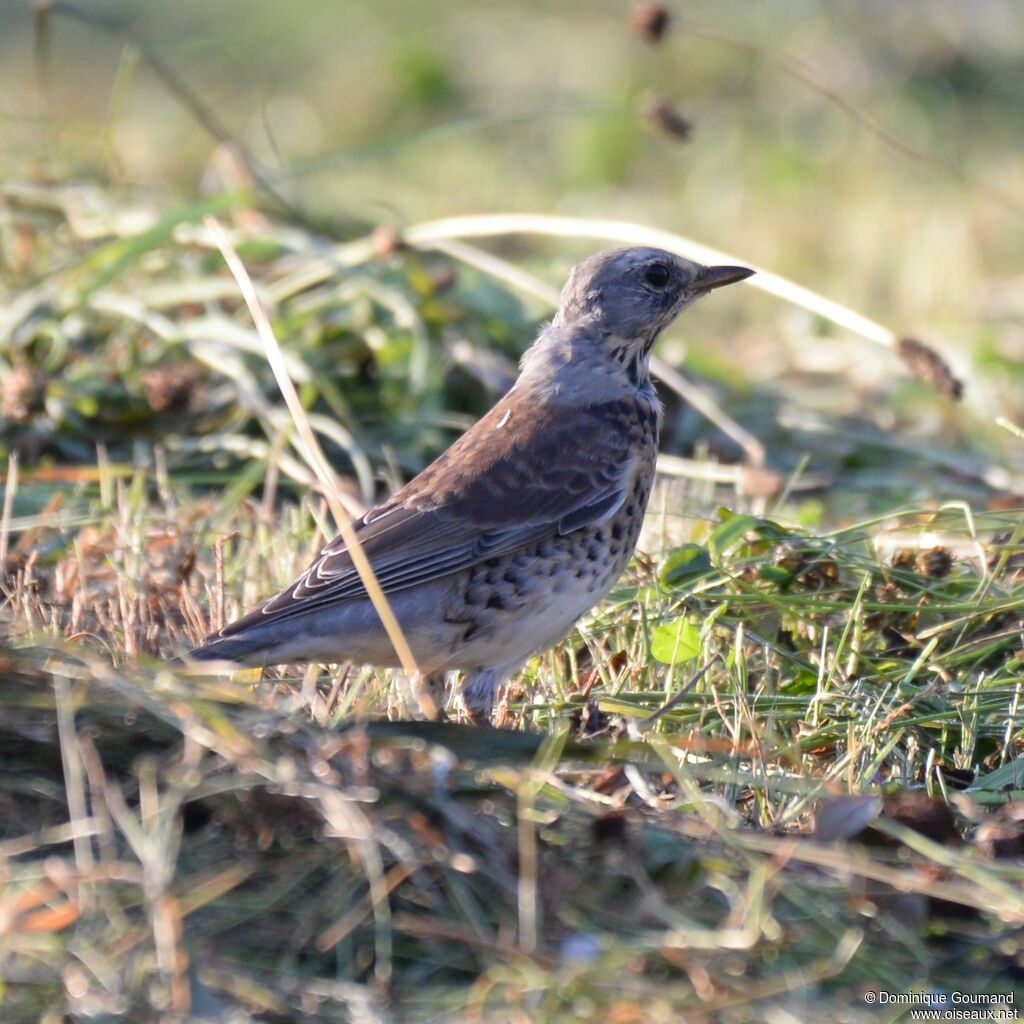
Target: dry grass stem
<point x="314" y="453"/>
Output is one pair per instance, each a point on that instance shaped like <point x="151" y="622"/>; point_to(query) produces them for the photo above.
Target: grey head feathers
<point x="613" y="307"/>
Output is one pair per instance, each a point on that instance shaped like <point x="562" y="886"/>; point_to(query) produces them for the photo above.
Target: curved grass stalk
<point x="630" y="233"/>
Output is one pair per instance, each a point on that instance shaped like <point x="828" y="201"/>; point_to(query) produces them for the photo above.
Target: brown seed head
<point x="650" y="21"/>
<point x="905" y="558"/>
<point x="927" y="365"/>
<point x="935" y="561"/>
<point x="171" y="388"/>
<point x="385" y="241"/>
<point x="664" y="118"/>
<point x="24" y="393"/>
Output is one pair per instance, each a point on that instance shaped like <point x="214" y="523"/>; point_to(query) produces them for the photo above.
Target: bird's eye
<point x="657" y="275"/>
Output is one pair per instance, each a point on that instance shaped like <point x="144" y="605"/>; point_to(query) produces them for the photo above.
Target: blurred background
<point x="869" y="151"/>
<point x="395" y="109"/>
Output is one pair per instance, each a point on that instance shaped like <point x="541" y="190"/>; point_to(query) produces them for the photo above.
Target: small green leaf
<point x="802" y="682"/>
<point x="735" y="527"/>
<point x="685" y="565"/>
<point x="730" y="533"/>
<point x="1007" y="776"/>
<point x="774" y="574"/>
<point x="675" y="641"/>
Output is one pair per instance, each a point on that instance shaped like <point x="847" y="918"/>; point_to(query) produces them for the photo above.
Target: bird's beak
<point x="718" y="277"/>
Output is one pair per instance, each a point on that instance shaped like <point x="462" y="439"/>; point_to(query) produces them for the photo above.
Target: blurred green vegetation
<point x="403" y="110"/>
<point x="396" y="111"/>
<point x="866" y="151"/>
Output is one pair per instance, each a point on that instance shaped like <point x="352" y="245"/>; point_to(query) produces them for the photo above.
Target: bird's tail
<point x="236" y="650"/>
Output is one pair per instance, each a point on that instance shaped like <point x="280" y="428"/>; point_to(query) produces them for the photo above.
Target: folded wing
<point x="504" y="485"/>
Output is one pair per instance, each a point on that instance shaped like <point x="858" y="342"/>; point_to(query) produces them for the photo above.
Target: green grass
<point x="293" y="849"/>
<point x="265" y="847"/>
<point x="647" y="840"/>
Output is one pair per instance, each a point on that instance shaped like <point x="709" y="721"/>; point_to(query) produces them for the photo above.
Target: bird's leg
<point x="428" y="689"/>
<point x="479" y="692"/>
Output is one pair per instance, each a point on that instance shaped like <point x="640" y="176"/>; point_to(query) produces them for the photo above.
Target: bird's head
<point x="631" y="295"/>
<point x="612" y="309"/>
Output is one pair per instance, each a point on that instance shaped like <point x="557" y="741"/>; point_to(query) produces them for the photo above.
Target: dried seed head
<point x="904" y="559"/>
<point x="24" y="393"/>
<point x="650" y="21"/>
<point x="171" y="388"/>
<point x="385" y="241"/>
<point x="935" y="561"/>
<point x="664" y="118"/>
<point x="928" y="366"/>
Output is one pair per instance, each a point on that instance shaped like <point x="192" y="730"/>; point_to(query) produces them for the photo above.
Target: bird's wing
<point x="518" y="475"/>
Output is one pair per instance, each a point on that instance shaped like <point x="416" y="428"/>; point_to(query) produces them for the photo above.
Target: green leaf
<point x="734" y="528"/>
<point x="685" y="565"/>
<point x="802" y="682"/>
<point x="676" y="641"/>
<point x="774" y="574"/>
<point x="730" y="533"/>
<point x="1009" y="776"/>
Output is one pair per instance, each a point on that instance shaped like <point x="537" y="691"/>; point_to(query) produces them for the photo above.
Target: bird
<point x="494" y="551"/>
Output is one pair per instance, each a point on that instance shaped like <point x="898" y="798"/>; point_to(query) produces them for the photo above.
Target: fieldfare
<point x="524" y="523"/>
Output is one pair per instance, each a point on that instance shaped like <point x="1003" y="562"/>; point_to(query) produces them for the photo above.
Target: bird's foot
<point x="430" y="693"/>
<point x="479" y="692"/>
